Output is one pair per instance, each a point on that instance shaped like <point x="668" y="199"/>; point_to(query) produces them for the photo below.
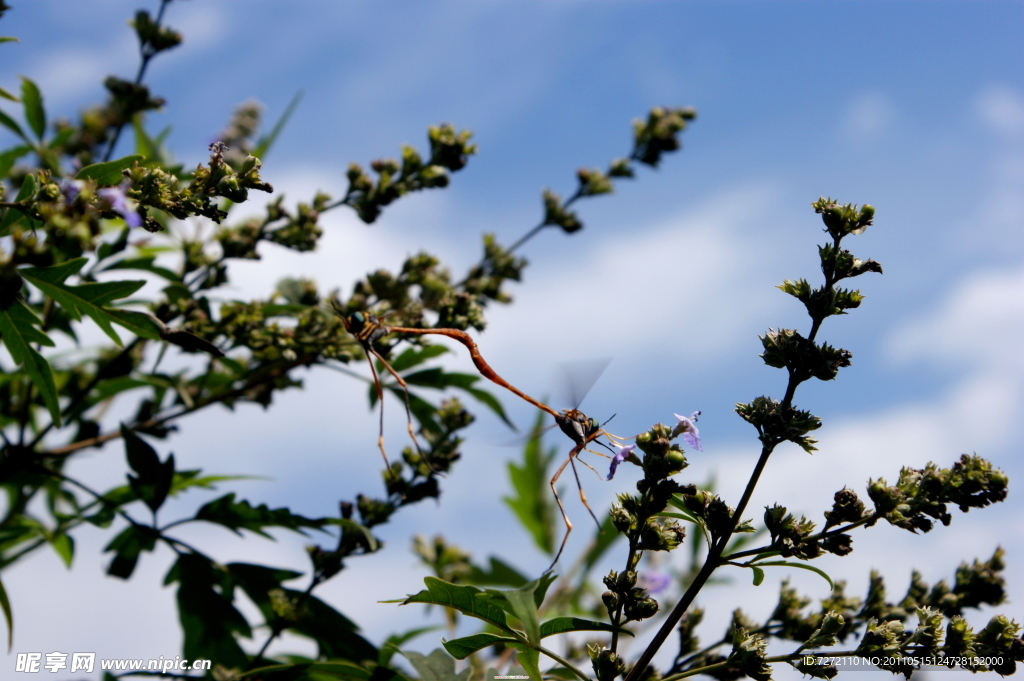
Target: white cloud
<point x="868" y="116"/>
<point x="1001" y="109"/>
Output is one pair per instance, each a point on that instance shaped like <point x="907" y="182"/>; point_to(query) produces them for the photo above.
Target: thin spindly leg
<point x="583" y="497"/>
<point x="408" y="409"/>
<point x="568" y="525"/>
<point x="589" y="466"/>
<point x="380" y="398"/>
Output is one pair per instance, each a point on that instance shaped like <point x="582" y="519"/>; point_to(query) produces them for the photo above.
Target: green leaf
<point x="466" y="599"/>
<point x="209" y="620"/>
<point x="108" y="173"/>
<point x="410" y="357"/>
<point x="395" y="641"/>
<point x="530" y="661"/>
<point x="606" y="536"/>
<point x="186" y="479"/>
<point x="5" y="604"/>
<point x="12" y="125"/>
<point x="499" y="574"/>
<point x="492" y="403"/>
<point x="154" y="478"/>
<point x="13" y="215"/>
<point x="16" y="327"/>
<point x="802" y="566"/>
<point x="531" y="503"/>
<point x="144" y="264"/>
<point x="127" y="546"/>
<point x="758" y="575"/>
<point x="461" y="648"/>
<point x="264" y="144"/>
<point x="32" y="100"/>
<point x="240" y="515"/>
<point x="524" y="608"/>
<point x="438" y="666"/>
<point x="353" y="526"/>
<point x="8" y="39"/>
<point x="146" y="146"/>
<point x="141" y="324"/>
<point x="336" y="635"/>
<point x="4" y="93"/>
<point x="64" y="545"/>
<point x="561" y="625"/>
<point x="89" y="299"/>
<point x="8" y="158"/>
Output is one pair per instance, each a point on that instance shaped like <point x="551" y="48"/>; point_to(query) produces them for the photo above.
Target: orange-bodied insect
<point x="579" y="428"/>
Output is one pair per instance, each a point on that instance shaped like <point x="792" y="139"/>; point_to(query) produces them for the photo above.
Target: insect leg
<point x="380" y="398"/>
<point x="408" y="409"/>
<point x="583" y="497"/>
<point x="558" y="500"/>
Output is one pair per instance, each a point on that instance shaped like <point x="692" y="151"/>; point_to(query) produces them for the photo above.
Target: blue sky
<point x="915" y="107"/>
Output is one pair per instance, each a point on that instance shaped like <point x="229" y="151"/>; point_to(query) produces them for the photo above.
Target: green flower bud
<point x="622" y="519"/>
<point x="641" y="609"/>
<point x="611" y="600"/>
<point x="230" y="188"/>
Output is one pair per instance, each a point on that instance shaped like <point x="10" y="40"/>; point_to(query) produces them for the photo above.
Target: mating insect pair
<point x="582" y="430"/>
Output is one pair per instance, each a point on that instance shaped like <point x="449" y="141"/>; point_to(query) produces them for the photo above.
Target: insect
<point x="579" y="428"/>
<point x="367" y="329"/>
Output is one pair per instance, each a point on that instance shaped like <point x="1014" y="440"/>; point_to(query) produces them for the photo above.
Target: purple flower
<point x="620" y="456"/>
<point x="654" y="582"/>
<point x="688" y="430"/>
<point x="71" y="189"/>
<point x="119" y="204"/>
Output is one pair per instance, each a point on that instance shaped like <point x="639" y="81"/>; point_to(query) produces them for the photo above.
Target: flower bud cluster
<point x="624" y="595"/>
<point x="153" y="37"/>
<point x="713" y="512"/>
<point x="843" y="219"/>
<point x="787" y="349"/>
<point x="659" y="133"/>
<point x="607" y="664"/>
<point x="776" y="424"/>
<point x="449" y="152"/>
<point x="921" y="494"/>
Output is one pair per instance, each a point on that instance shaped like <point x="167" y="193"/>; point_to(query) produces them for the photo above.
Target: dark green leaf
<point x="8" y="158"/>
<point x="13" y="126"/>
<point x="89" y="299"/>
<point x="353" y="526"/>
<point x="461" y="648"/>
<point x="438" y="666"/>
<point x="5" y="605"/>
<point x="466" y="599"/>
<point x="32" y="100"/>
<point x="186" y="479"/>
<point x="13" y="215"/>
<point x="560" y="625"/>
<point x="209" y="619"/>
<point x="4" y="93"/>
<point x="154" y="479"/>
<point x="532" y="504"/>
<point x="16" y="327"/>
<point x="239" y="515"/>
<point x="107" y="173"/>
<point x="127" y="546"/>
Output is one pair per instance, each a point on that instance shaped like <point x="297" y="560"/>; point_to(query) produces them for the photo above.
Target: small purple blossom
<point x="119" y="204"/>
<point x="71" y="189"/>
<point x="688" y="430"/>
<point x="654" y="582"/>
<point x="620" y="456"/>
